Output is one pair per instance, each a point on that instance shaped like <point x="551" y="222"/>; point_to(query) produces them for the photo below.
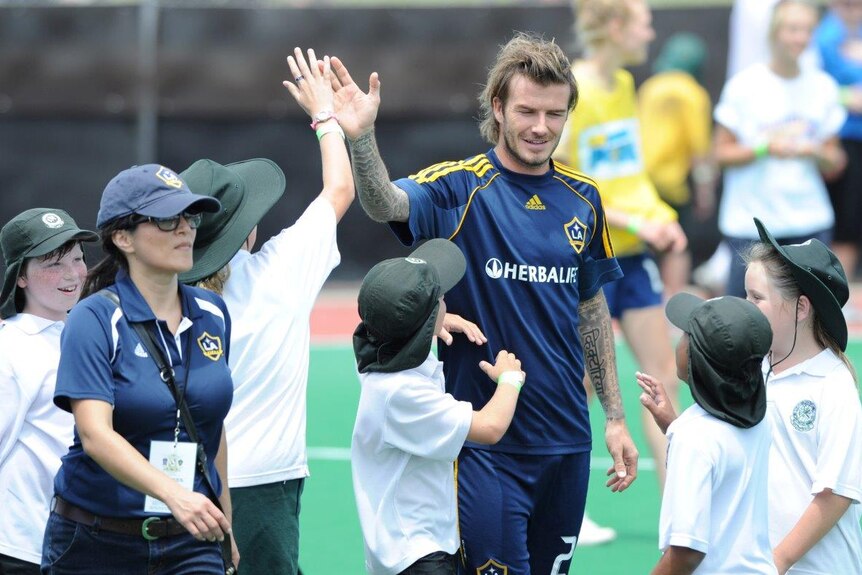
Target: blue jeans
<point x="71" y="547"/>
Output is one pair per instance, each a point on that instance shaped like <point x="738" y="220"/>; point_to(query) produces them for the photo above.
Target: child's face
<point x="52" y="286"/>
<point x="682" y="358"/>
<point x="780" y="312"/>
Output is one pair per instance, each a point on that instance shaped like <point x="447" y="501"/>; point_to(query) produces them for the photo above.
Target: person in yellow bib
<point x="602" y="139"/>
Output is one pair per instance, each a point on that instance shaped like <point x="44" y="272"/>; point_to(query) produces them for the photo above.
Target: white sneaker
<point x="594" y="534"/>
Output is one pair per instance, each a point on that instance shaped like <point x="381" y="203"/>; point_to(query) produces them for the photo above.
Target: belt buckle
<point x="145" y="528"/>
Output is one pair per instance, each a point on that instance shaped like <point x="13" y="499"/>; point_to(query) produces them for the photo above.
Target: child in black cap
<point x="714" y="511"/>
<point x="408" y="430"/>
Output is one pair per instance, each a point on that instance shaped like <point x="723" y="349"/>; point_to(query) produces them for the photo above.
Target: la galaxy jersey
<point x="535" y="247"/>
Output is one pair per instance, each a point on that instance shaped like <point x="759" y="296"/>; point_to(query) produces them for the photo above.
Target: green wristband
<point x="761" y="150"/>
<point x="329" y="128"/>
<point x="634" y="224"/>
<point x="513" y="378"/>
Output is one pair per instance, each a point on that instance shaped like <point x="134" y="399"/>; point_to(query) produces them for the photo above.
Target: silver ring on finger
<point x="298" y="78"/>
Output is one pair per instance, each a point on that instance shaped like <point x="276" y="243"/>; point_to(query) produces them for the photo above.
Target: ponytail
<point x="104" y="273"/>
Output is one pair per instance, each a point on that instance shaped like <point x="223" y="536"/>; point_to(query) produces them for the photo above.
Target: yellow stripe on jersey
<point x="469" y="202"/>
<point x="479" y="165"/>
<point x="606" y="241"/>
<point x="572" y="173"/>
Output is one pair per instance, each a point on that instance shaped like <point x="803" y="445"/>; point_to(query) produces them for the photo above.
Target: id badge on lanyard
<point x="176" y="459"/>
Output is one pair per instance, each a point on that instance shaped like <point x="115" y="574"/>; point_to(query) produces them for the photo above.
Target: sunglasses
<point x="171" y="223"/>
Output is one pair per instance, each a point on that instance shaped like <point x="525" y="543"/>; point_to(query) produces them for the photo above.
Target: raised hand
<point x="312" y="82"/>
<point x="655" y="400"/>
<point x="356" y="110"/>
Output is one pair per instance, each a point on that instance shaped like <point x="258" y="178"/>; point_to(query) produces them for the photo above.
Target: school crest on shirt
<point x="576" y="233"/>
<point x="211" y="346"/>
<point x="804" y="415"/>
<point x="491" y="567"/>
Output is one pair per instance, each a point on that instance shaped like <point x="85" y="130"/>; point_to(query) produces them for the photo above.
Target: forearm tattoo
<point x="382" y="200"/>
<point x="597" y="337"/>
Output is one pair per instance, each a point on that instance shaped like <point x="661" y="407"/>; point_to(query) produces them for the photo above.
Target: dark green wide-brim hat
<point x="820" y="276"/>
<point x="31" y="234"/>
<point x="247" y="190"/>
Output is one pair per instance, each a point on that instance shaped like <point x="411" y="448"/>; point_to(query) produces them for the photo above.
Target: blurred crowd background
<point x="90" y="88"/>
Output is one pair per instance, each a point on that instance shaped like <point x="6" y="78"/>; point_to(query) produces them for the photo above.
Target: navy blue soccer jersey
<point x="535" y="247"/>
<point x="102" y="358"/>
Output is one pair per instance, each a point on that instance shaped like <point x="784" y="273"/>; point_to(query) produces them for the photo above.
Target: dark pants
<point x="437" y="563"/>
<point x="266" y="527"/>
<point x="14" y="566"/>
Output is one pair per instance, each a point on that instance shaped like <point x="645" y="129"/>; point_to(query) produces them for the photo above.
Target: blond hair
<point x="778" y="13"/>
<point x="532" y="56"/>
<point x="215" y="282"/>
<point x="592" y="18"/>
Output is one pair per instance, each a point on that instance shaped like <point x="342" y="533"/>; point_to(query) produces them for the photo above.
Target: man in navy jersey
<point x="537" y="249"/>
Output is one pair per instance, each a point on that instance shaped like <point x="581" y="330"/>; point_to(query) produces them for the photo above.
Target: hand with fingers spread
<point x="453" y="323"/>
<point x="655" y="400"/>
<point x="356" y="110"/>
<point x="312" y="83"/>
<point x="201" y="518"/>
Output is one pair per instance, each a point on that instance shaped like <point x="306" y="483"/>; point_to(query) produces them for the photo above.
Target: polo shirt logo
<point x="210" y="346"/>
<point x="576" y="233"/>
<point x="804" y="415"/>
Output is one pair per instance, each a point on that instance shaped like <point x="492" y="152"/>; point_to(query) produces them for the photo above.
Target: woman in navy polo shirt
<point x="128" y="496"/>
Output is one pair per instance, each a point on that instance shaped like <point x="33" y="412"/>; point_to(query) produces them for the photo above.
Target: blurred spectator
<point x="777" y="127"/>
<point x="747" y="42"/>
<point x="839" y="42"/>
<point x="676" y="122"/>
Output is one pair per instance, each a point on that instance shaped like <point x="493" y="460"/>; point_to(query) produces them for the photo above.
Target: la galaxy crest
<point x="491" y="567"/>
<point x="576" y="233"/>
<point x="210" y="346"/>
<point x="169" y="177"/>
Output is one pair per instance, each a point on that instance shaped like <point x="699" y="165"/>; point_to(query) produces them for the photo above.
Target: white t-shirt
<point x="787" y="194"/>
<point x="269" y="295"/>
<point x="715" y="494"/>
<point x="407" y="435"/>
<point x="34" y="433"/>
<point x="816" y="420"/>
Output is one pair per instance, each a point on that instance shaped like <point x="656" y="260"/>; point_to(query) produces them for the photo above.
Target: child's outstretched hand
<point x="505" y="362"/>
<point x="453" y="323"/>
<point x="655" y="400"/>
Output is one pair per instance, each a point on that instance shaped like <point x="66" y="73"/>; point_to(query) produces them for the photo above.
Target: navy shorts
<point x="520" y="514"/>
<point x="640" y="286"/>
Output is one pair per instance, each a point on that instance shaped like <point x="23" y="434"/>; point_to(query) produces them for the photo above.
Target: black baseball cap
<point x="398" y="306"/>
<point x="728" y="339"/>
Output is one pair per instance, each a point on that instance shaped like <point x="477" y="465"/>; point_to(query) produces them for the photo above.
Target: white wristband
<point x="513" y="378"/>
<point x="329" y="128"/>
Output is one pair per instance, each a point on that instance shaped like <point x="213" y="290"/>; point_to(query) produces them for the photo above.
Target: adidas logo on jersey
<point x="534" y="203"/>
<point x="140" y="351"/>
